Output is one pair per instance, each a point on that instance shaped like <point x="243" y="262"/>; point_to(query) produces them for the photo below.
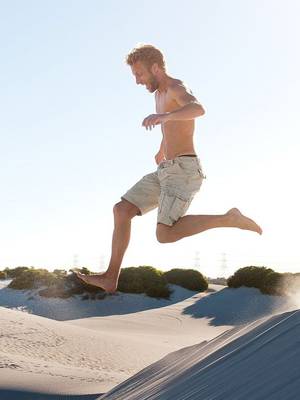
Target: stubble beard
<point x="153" y="84"/>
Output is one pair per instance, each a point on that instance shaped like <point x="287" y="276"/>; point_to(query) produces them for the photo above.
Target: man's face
<point x="144" y="76"/>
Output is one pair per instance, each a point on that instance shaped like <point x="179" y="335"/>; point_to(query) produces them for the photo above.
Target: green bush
<point x="58" y="282"/>
<point x="15" y="272"/>
<point x="160" y="291"/>
<point x="60" y="272"/>
<point x="33" y="278"/>
<point x="250" y="277"/>
<point x="83" y="270"/>
<point x="266" y="280"/>
<point x="143" y="279"/>
<point x="3" y="275"/>
<point x="273" y="284"/>
<point x="187" y="278"/>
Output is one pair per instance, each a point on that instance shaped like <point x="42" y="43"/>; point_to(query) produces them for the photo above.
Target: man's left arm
<point x="189" y="108"/>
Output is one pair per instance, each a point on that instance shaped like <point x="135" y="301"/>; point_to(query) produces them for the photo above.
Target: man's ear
<point x="154" y="68"/>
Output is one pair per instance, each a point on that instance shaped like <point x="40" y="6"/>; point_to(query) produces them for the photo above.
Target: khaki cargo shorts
<point x="171" y="188"/>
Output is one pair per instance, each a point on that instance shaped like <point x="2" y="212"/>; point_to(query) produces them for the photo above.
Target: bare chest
<point x="164" y="103"/>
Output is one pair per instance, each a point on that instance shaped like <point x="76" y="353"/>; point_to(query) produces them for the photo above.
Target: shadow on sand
<point x="236" y="306"/>
<point x="9" y="394"/>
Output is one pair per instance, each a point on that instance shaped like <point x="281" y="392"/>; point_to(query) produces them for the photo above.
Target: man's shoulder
<point x="175" y="83"/>
<point x="177" y="86"/>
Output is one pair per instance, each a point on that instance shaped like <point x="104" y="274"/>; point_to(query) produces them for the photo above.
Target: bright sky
<point x="71" y="141"/>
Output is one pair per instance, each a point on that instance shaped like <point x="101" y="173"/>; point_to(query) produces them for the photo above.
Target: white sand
<point x="258" y="362"/>
<point x="105" y="342"/>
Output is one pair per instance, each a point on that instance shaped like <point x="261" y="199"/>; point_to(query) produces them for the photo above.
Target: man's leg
<point x="124" y="211"/>
<point x="191" y="224"/>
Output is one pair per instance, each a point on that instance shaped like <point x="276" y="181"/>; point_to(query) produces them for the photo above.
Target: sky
<point x="71" y="140"/>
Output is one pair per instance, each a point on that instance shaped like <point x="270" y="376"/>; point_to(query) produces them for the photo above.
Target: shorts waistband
<point x="188" y="155"/>
<point x="191" y="157"/>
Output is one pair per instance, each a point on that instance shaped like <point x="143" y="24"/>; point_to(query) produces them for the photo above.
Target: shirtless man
<point x="178" y="177"/>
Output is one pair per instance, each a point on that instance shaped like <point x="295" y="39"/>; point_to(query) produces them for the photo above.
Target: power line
<point x="223" y="263"/>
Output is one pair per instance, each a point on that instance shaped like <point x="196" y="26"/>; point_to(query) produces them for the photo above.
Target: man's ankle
<point x="112" y="275"/>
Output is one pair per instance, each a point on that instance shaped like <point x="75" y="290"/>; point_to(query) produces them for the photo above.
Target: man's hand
<point x="154" y="119"/>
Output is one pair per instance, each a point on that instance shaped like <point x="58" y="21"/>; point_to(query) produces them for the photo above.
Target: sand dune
<point x="91" y="355"/>
<point x="104" y="343"/>
<point x="260" y="361"/>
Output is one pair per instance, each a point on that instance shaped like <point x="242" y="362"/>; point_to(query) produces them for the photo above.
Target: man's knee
<point x="124" y="210"/>
<point x="164" y="233"/>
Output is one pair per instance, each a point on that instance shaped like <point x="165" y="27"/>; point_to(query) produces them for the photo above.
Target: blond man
<point x="178" y="177"/>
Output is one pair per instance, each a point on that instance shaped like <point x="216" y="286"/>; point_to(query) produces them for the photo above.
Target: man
<point x="178" y="177"/>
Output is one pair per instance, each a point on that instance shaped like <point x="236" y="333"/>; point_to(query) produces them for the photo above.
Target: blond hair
<point x="147" y="54"/>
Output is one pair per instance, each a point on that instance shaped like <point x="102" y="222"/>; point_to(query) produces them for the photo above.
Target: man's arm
<point x="189" y="108"/>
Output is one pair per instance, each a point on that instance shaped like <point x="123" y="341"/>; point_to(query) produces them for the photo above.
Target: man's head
<point x="148" y="65"/>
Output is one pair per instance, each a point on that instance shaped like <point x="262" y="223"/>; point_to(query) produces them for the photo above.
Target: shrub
<point x="273" y="284"/>
<point x="143" y="279"/>
<point x="58" y="283"/>
<point x="187" y="278"/>
<point x="15" y="272"/>
<point x="160" y="291"/>
<point x="266" y="280"/>
<point x="84" y="270"/>
<point x="3" y="275"/>
<point x="60" y="272"/>
<point x="250" y="277"/>
<point x="33" y="278"/>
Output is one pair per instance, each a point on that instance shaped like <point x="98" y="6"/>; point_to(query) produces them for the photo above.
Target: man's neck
<point x="164" y="82"/>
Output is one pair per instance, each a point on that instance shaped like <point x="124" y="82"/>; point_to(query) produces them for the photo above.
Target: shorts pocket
<point x="178" y="208"/>
<point x="192" y="169"/>
<point x="161" y="202"/>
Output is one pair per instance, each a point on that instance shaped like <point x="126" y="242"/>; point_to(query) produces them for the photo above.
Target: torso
<point x="177" y="135"/>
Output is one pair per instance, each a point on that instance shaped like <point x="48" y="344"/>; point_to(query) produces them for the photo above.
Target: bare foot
<point x="238" y="220"/>
<point x="100" y="280"/>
